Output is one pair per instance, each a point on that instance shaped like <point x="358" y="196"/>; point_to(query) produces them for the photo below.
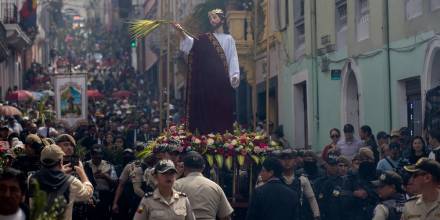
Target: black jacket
<point x="273" y="200"/>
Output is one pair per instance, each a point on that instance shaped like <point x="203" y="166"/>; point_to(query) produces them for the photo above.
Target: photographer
<point x="54" y="180"/>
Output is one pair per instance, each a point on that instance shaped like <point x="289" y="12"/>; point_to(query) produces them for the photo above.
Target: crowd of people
<point x="383" y="176"/>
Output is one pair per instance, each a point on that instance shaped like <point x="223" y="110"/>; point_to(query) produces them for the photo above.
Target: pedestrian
<point x="426" y="180"/>
<point x="383" y="140"/>
<point x="366" y="135"/>
<point x="335" y="135"/>
<point x="12" y="192"/>
<point x="308" y="207"/>
<point x="418" y="150"/>
<point x="206" y="197"/>
<point x="392" y="162"/>
<point x="350" y="145"/>
<point x="434" y="142"/>
<point x="310" y="166"/>
<point x="331" y="193"/>
<point x="364" y="195"/>
<point x="389" y="190"/>
<point x="105" y="178"/>
<point x="52" y="179"/>
<point x="164" y="202"/>
<point x="273" y="199"/>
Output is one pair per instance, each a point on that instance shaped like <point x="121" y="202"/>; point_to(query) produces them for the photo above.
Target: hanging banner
<point x="71" y="99"/>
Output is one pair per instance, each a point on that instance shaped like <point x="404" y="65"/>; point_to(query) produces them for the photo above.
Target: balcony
<point x="16" y="37"/>
<point x="4" y="52"/>
<point x="239" y="23"/>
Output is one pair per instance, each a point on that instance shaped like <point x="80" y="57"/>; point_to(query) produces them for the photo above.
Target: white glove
<point x="235" y="82"/>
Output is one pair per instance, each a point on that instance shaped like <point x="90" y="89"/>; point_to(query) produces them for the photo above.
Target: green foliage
<point x="39" y="205"/>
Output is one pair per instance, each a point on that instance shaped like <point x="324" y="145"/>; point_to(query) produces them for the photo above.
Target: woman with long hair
<point x="418" y="150"/>
<point x="335" y="135"/>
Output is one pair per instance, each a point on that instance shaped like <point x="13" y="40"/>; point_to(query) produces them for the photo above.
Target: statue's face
<point x="214" y="19"/>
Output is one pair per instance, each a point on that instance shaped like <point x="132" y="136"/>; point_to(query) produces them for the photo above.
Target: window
<point x="299" y="29"/>
<point x="362" y="20"/>
<point x="435" y="4"/>
<point x="413" y="8"/>
<point x="341" y="23"/>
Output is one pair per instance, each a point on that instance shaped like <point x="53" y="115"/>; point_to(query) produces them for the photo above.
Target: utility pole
<point x="268" y="64"/>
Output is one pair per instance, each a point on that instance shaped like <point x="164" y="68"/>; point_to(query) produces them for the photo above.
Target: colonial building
<point x="357" y="61"/>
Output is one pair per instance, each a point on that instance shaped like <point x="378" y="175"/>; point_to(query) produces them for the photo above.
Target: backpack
<point x="51" y="196"/>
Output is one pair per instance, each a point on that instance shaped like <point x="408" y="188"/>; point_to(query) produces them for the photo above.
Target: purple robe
<point x="210" y="96"/>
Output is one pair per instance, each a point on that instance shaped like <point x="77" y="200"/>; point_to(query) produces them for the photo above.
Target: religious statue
<point x="213" y="75"/>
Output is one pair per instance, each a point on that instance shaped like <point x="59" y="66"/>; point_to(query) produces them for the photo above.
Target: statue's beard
<point x="216" y="26"/>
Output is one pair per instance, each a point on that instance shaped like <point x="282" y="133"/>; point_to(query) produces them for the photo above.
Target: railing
<point x="9" y="11"/>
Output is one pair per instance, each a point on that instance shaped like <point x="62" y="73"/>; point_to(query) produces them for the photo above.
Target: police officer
<point x="331" y="191"/>
<point x="164" y="202"/>
<point x="425" y="179"/>
<point x="389" y="189"/>
<point x="308" y="207"/>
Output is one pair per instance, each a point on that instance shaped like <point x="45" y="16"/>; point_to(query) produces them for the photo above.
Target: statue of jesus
<point x="213" y="75"/>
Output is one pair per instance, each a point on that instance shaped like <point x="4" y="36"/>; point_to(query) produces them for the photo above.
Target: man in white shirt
<point x="349" y="146"/>
<point x="214" y="72"/>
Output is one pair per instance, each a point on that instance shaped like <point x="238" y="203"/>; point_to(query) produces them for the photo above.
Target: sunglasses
<point x="334" y="135"/>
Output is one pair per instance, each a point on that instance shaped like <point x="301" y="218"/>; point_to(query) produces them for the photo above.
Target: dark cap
<point x="288" y="153"/>
<point x="389" y="178"/>
<point x="348" y="128"/>
<point x="128" y="150"/>
<point x="405" y="131"/>
<point x="164" y="166"/>
<point x="96" y="149"/>
<point x="394" y="145"/>
<point x="427" y="165"/>
<point x="382" y="135"/>
<point x="332" y="158"/>
<point x="194" y="160"/>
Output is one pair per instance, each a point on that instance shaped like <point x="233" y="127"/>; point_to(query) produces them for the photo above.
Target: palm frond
<point x="142" y="28"/>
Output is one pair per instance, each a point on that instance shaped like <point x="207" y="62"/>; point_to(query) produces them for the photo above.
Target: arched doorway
<point x="351" y="95"/>
<point x="435" y="70"/>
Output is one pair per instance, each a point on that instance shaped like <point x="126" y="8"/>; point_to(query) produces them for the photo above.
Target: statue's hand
<point x="235" y="82"/>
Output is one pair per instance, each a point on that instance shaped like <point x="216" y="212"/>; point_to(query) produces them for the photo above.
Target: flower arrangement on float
<point x="220" y="150"/>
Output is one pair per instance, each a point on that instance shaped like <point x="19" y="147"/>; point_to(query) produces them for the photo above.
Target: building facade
<point x="362" y="62"/>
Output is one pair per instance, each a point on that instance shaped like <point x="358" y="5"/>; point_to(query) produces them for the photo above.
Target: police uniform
<point x="155" y="206"/>
<point x="391" y="208"/>
<point x="134" y="172"/>
<point x="417" y="209"/>
<point x="207" y="197"/>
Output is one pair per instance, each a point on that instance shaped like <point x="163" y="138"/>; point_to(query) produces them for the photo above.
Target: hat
<point x="128" y="150"/>
<point x="97" y="150"/>
<point x="389" y="178"/>
<point x="288" y="153"/>
<point x="51" y="154"/>
<point x="427" y="165"/>
<point x="193" y="159"/>
<point x="382" y="135"/>
<point x="332" y="158"/>
<point x="395" y="133"/>
<point x="64" y="138"/>
<point x="405" y="131"/>
<point x="164" y="166"/>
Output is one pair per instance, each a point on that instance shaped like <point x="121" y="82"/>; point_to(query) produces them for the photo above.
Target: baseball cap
<point x="51" y="154"/>
<point x="389" y="178"/>
<point x="288" y="153"/>
<point x="193" y="159"/>
<point x="332" y="158"/>
<point x="427" y="165"/>
<point x="164" y="166"/>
